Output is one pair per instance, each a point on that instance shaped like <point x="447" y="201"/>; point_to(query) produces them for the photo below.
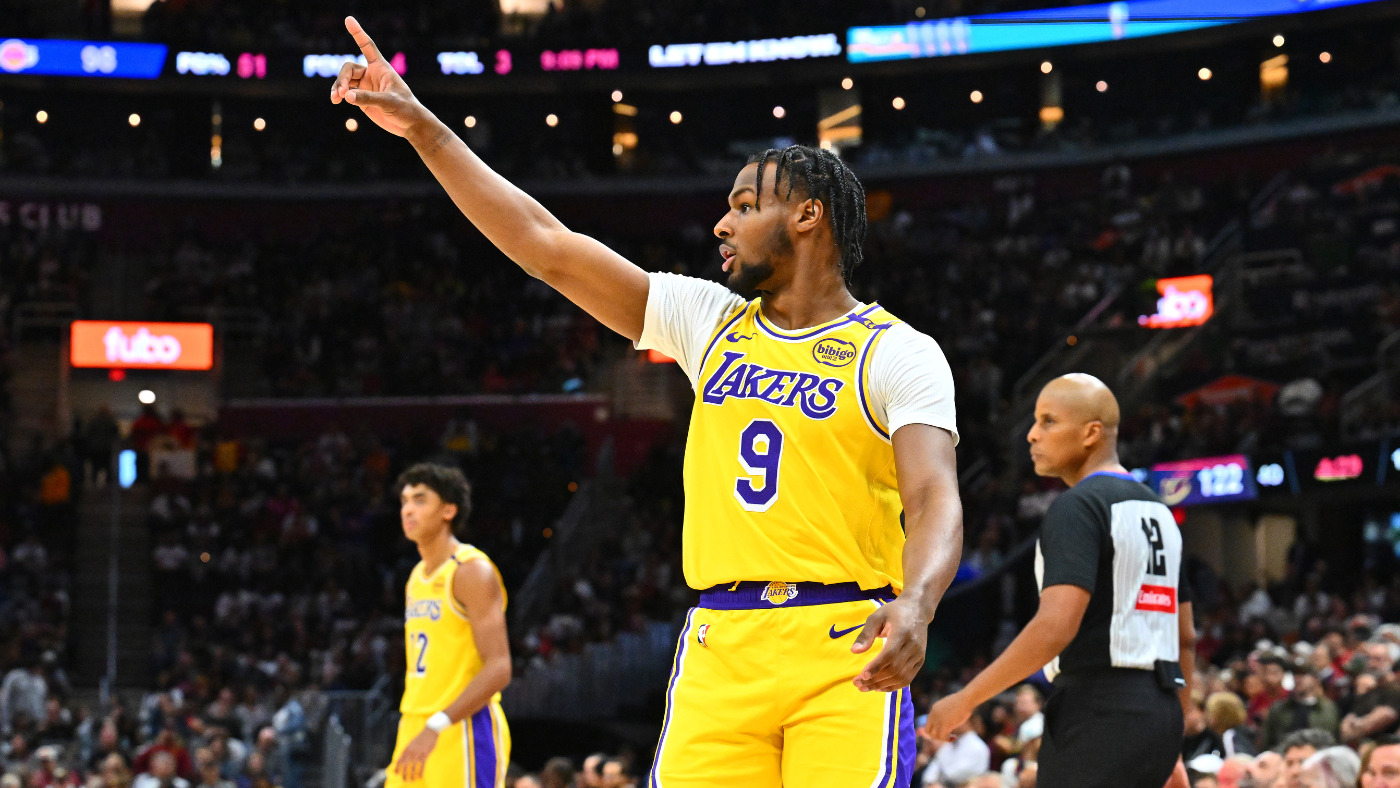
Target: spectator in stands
<point x="1332" y="767"/>
<point x="1225" y="715"/>
<point x="23" y="692"/>
<point x="166" y="741"/>
<point x="988" y="780"/>
<point x="1297" y="747"/>
<point x="113" y="772"/>
<point x="208" y="768"/>
<point x="228" y="752"/>
<point x="1200" y="738"/>
<point x="1376" y="709"/>
<point x="162" y="773"/>
<point x="254" y="774"/>
<point x="1383" y="765"/>
<point x="616" y="773"/>
<point x="1264" y="772"/>
<point x="1305" y="707"/>
<point x="1272" y="671"/>
<point x="956" y="762"/>
<point x="48" y="773"/>
<point x="557" y="773"/>
<point x="591" y="775"/>
<point x="108" y="744"/>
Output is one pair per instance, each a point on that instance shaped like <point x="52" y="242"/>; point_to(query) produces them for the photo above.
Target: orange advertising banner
<point x="137" y="345"/>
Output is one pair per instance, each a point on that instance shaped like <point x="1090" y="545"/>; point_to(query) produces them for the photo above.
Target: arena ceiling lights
<point x="1052" y="27"/>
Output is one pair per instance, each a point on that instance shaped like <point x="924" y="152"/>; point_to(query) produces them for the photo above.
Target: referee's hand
<point x="906" y="642"/>
<point x="945" y="716"/>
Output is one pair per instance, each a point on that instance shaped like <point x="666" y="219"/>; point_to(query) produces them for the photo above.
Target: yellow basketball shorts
<point x="761" y="694"/>
<point x="472" y="753"/>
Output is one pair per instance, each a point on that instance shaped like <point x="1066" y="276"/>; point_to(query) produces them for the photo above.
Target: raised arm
<point x="588" y="273"/>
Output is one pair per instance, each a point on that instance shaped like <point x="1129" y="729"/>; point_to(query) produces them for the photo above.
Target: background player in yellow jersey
<point x="452" y="733"/>
<point x="820" y="475"/>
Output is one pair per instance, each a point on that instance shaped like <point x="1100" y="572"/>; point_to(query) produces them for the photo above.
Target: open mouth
<point x="728" y="255"/>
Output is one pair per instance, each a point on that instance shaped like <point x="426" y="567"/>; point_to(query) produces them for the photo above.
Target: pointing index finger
<point x="362" y="39"/>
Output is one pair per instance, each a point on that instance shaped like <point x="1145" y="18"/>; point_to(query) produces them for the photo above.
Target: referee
<point x="1107" y="632"/>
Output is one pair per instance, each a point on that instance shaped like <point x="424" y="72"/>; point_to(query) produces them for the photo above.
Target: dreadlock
<point x="825" y="178"/>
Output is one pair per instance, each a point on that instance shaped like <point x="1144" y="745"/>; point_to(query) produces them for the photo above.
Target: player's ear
<point x="810" y="215"/>
<point x="449" y="513"/>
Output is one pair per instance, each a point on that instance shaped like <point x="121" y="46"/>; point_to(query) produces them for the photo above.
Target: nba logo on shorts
<point x="778" y="593"/>
<point x="701" y="633"/>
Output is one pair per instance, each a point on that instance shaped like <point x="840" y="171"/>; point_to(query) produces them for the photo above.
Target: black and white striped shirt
<point x="1111" y="536"/>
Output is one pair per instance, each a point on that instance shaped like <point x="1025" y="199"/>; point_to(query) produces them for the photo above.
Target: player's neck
<point x="437" y="550"/>
<point x="804" y="301"/>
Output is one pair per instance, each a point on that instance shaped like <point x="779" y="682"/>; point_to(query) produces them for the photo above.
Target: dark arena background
<point x="232" y="312"/>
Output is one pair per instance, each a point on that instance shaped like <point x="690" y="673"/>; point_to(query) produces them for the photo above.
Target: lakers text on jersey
<point x="789" y="475"/>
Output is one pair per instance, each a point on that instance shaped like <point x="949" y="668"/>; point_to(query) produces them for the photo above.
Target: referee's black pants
<point x="1109" y="728"/>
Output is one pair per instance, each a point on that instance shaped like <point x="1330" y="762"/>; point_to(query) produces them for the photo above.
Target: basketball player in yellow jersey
<point x="822" y="521"/>
<point x="452" y="733"/>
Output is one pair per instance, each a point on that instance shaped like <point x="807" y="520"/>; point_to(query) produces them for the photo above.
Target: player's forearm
<point x="932" y="550"/>
<point x="494" y="676"/>
<point x="511" y="219"/>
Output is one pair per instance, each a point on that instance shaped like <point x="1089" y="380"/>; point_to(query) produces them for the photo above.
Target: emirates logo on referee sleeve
<point x="1157" y="599"/>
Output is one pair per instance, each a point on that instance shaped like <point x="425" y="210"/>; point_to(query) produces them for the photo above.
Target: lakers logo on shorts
<point x="778" y="593"/>
<point x="701" y="633"/>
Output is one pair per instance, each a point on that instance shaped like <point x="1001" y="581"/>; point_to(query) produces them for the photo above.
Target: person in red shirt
<point x="166" y="741"/>
<point x="1272" y="671"/>
<point x="147" y="426"/>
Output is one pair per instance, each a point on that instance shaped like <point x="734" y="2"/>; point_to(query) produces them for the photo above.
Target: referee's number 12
<point x="1156" y="559"/>
<point x="760" y="454"/>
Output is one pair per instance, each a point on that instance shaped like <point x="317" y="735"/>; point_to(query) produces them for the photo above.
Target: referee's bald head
<point x="1085" y="396"/>
<point x="1076" y="421"/>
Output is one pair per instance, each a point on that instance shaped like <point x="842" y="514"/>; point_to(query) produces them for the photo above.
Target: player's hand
<point x="376" y="88"/>
<point x="906" y="642"/>
<point x="946" y="715"/>
<point x="409" y="766"/>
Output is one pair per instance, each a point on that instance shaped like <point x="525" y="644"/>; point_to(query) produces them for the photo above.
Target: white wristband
<point x="439" y="722"/>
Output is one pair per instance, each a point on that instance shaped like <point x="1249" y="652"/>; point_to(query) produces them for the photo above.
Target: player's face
<point x="422" y="512"/>
<point x="757" y="243"/>
<point x="1383" y="770"/>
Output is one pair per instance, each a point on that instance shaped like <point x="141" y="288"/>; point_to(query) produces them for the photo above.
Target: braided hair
<point x="826" y="178"/>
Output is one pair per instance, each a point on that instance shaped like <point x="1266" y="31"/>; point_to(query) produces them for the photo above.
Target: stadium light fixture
<point x="847" y="83"/>
<point x="617" y="95"/>
<point x="1046" y="67"/>
<point x="1325" y="57"/>
<point x="351" y="124"/>
<point x="920" y="12"/>
<point x="1101" y="86"/>
<point x="41" y="116"/>
<point x="259" y="124"/>
<point x="1279" y="40"/>
<point x="1205" y="74"/>
<point x="898" y="102"/>
<point x="133" y="120"/>
<point x="470" y="121"/>
<point x="676" y="117"/>
<point x="976" y="97"/>
<point x="147" y="397"/>
<point x="551" y="120"/>
<point x="779" y="112"/>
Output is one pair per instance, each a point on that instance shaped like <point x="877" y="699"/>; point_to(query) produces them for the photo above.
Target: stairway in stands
<point x="90" y="588"/>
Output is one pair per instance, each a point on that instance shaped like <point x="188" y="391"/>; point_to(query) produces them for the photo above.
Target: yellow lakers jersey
<point x="438" y="640"/>
<point x="789" y="475"/>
